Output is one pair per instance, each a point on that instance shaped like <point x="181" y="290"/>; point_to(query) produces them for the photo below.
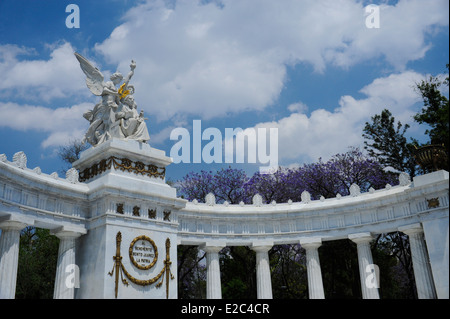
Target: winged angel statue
<point x="116" y="114"/>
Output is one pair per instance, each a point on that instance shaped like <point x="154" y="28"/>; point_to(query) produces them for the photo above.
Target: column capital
<point x="411" y="229"/>
<point x="13" y="223"/>
<point x="311" y="242"/>
<point x="212" y="248"/>
<point x="64" y="232"/>
<point x="261" y="246"/>
<point x="361" y="237"/>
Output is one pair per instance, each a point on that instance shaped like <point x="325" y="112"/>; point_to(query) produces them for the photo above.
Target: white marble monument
<point x="119" y="223"/>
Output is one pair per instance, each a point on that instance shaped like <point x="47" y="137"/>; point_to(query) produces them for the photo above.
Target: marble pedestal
<point x="130" y="249"/>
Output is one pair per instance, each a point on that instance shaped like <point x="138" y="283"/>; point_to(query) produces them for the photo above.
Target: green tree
<point x="289" y="274"/>
<point x="391" y="252"/>
<point x="238" y="272"/>
<point x="340" y="272"/>
<point x="435" y="112"/>
<point x="38" y="255"/>
<point x="191" y="273"/>
<point x="386" y="142"/>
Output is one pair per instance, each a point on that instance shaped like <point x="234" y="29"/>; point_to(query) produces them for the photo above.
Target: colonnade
<point x="369" y="277"/>
<point x="9" y="255"/>
<point x="9" y="259"/>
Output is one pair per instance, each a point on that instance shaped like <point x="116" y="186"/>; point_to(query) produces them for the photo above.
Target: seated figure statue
<point x="132" y="123"/>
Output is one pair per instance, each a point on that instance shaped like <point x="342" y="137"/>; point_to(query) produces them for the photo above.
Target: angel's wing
<point x="94" y="78"/>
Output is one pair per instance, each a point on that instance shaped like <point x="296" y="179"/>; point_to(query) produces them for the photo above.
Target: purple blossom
<point x="319" y="179"/>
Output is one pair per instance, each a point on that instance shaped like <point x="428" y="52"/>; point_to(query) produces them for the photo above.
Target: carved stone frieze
<point x="122" y="164"/>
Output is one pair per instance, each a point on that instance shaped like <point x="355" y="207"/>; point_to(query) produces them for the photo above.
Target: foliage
<point x="238" y="273"/>
<point x="391" y="252"/>
<point x="191" y="273"/>
<point x="386" y="142"/>
<point x="38" y="255"/>
<point x="289" y="277"/>
<point x="435" y="112"/>
<point x="322" y="178"/>
<point x="340" y="272"/>
<point x="226" y="185"/>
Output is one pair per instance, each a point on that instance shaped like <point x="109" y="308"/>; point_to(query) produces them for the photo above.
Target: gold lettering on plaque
<point x="142" y="250"/>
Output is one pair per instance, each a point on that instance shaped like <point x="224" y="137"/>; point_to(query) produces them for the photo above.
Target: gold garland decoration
<point x="118" y="267"/>
<point x="123" y="164"/>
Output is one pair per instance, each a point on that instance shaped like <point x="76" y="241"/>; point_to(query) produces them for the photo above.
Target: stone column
<point x="9" y="257"/>
<point x="369" y="279"/>
<point x="67" y="272"/>
<point x="315" y="284"/>
<point x="213" y="284"/>
<point x="421" y="264"/>
<point x="263" y="279"/>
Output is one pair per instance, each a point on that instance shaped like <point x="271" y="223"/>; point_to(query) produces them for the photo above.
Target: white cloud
<point x="210" y="60"/>
<point x="40" y="80"/>
<point x="298" y="107"/>
<point x="401" y="36"/>
<point x="325" y="133"/>
<point x="62" y="124"/>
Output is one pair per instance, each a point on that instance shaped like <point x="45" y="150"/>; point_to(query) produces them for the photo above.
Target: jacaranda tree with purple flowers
<point x="323" y="178"/>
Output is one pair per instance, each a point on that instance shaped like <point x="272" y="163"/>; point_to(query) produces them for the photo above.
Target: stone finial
<point x="257" y="200"/>
<point x="20" y="160"/>
<point x="72" y="175"/>
<point x="355" y="190"/>
<point x="404" y="179"/>
<point x="306" y="197"/>
<point x="210" y="199"/>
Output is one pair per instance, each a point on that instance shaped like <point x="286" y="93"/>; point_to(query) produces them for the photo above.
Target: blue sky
<point x="311" y="69"/>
